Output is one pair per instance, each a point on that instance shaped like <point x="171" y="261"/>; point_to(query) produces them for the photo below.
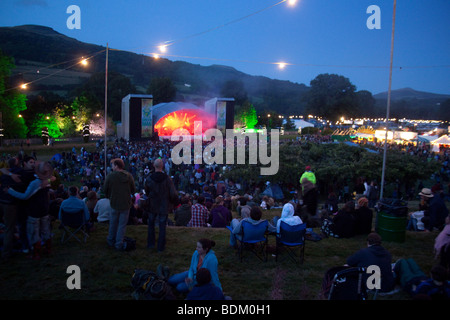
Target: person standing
<point x="162" y="195"/>
<point x="119" y="186"/>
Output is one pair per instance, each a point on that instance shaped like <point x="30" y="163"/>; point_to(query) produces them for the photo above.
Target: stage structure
<point x="163" y="118"/>
<point x="136" y="117"/>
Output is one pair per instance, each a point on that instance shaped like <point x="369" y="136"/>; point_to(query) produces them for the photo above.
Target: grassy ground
<point x="106" y="273"/>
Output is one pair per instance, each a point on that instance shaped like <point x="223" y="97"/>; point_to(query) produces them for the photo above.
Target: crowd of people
<point x="141" y="185"/>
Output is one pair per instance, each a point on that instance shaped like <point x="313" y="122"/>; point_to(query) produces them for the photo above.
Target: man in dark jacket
<point x="162" y="195"/>
<point x="118" y="188"/>
<point x="375" y="255"/>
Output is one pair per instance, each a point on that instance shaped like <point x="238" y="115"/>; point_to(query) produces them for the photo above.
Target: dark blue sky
<point x="313" y="36"/>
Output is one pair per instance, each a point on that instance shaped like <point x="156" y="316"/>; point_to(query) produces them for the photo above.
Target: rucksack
<point x="149" y="285"/>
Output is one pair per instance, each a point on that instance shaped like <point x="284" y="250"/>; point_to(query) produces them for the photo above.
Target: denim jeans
<point x="38" y="229"/>
<point x="151" y="236"/>
<point x="178" y="281"/>
<point x="117" y="226"/>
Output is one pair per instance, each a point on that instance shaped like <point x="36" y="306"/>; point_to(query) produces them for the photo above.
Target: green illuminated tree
<point x="11" y="102"/>
<point x="42" y="120"/>
<point x="246" y="116"/>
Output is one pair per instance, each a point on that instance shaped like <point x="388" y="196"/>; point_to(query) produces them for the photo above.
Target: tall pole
<point x="388" y="102"/>
<point x="106" y="105"/>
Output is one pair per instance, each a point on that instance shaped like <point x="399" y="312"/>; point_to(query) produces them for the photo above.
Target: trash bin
<point x="392" y="219"/>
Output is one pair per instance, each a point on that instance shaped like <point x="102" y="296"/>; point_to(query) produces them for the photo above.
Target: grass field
<point x="106" y="273"/>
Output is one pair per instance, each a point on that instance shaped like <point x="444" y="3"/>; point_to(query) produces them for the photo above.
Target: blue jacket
<point x="74" y="204"/>
<point x="205" y="292"/>
<point x="209" y="262"/>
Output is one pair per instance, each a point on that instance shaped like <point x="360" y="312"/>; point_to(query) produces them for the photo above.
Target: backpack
<point x="149" y="285"/>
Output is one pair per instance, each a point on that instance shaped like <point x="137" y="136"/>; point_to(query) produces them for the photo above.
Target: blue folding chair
<point x="292" y="238"/>
<point x="254" y="238"/>
<point x="72" y="223"/>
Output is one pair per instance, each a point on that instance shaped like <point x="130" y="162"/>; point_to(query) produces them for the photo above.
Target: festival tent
<point x="274" y="191"/>
<point x="445" y="140"/>
<point x="426" y="138"/>
<point x="300" y="124"/>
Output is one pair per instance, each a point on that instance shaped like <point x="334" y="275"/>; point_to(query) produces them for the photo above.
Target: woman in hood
<point x="287" y="215"/>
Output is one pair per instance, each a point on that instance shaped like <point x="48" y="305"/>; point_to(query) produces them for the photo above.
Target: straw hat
<point x="426" y="193"/>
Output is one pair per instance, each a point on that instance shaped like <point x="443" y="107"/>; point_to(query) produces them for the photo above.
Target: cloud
<point x="29" y="3"/>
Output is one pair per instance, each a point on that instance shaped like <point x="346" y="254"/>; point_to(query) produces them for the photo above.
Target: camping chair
<point x="292" y="238"/>
<point x="254" y="238"/>
<point x="349" y="284"/>
<point x="71" y="223"/>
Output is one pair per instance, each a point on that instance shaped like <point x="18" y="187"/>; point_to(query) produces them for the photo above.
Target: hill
<point x="34" y="47"/>
<point x="39" y="51"/>
<point x="409" y="93"/>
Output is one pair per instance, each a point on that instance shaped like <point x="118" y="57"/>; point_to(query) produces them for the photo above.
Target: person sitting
<point x="91" y="200"/>
<point x="363" y="217"/>
<point x="375" y="254"/>
<point x="203" y="257"/>
<point x="342" y="225"/>
<point x="414" y="281"/>
<point x="199" y="214"/>
<point x="204" y="289"/>
<point x="436" y="213"/>
<point x="219" y="217"/>
<point x="208" y="197"/>
<point x="243" y="208"/>
<point x="182" y="214"/>
<point x="442" y="245"/>
<point x="287" y="215"/>
<point x="236" y="232"/>
<point x="74" y="204"/>
<point x="102" y="210"/>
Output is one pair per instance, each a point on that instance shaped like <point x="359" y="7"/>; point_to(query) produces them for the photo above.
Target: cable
<point x="59" y="71"/>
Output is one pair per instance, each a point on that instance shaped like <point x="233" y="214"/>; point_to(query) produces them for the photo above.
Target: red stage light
<point x="184" y="119"/>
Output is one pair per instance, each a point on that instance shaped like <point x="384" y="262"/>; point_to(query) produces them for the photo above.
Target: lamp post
<point x="106" y="103"/>
<point x="388" y="102"/>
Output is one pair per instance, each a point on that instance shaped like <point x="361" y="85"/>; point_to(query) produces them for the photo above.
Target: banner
<point x="147" y="114"/>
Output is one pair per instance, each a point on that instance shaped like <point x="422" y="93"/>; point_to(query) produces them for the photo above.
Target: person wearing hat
<point x="434" y="217"/>
<point x="37" y="207"/>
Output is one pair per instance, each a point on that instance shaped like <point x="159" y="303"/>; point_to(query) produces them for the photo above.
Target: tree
<point x="119" y="86"/>
<point x="246" y="116"/>
<point x="366" y="104"/>
<point x="162" y="89"/>
<point x="332" y="96"/>
<point x="11" y="103"/>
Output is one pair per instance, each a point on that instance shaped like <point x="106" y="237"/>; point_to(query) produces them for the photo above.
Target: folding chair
<point x="349" y="284"/>
<point x="71" y="223"/>
<point x="292" y="238"/>
<point x="253" y="238"/>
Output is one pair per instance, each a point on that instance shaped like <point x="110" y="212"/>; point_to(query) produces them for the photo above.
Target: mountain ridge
<point x="34" y="46"/>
